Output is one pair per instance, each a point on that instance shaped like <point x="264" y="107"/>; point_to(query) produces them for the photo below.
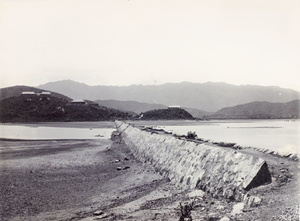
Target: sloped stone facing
<point x="220" y="171"/>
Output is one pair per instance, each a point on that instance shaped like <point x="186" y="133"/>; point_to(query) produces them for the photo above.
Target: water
<point x="279" y="135"/>
<point x="48" y="131"/>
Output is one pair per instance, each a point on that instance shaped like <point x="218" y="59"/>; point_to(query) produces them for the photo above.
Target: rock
<point x="102" y="216"/>
<point x="196" y="193"/>
<point x="256" y="201"/>
<point x="221" y="172"/>
<point x="220" y="207"/>
<point x="126" y="158"/>
<point x="98" y="212"/>
<point x="154" y="216"/>
<point x="119" y="168"/>
<point x="252" y="201"/>
<point x="294" y="157"/>
<point x="213" y="217"/>
<point x="225" y="218"/>
<point x="126" y="168"/>
<point x="237" y="209"/>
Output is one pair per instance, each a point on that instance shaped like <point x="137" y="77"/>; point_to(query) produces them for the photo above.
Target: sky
<point x="125" y="42"/>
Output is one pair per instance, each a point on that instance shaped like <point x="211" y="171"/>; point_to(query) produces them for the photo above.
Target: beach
<point x="59" y="180"/>
<point x="99" y="179"/>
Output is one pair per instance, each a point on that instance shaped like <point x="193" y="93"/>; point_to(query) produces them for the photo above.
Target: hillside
<point x="260" y="110"/>
<point x="17" y="90"/>
<point x="139" y="107"/>
<point x="203" y="96"/>
<point x="45" y="109"/>
<point x="129" y="106"/>
<point x="196" y="113"/>
<point x="167" y="114"/>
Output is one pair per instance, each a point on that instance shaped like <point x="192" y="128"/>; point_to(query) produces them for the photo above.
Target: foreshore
<point x="101" y="180"/>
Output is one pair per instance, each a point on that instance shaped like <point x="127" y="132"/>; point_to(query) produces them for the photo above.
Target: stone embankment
<point x="222" y="172"/>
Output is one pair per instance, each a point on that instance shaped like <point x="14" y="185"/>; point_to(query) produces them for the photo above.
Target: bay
<point x="59" y="130"/>
<point x="278" y="135"/>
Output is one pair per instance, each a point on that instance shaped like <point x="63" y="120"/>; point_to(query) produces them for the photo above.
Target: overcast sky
<point x="121" y="42"/>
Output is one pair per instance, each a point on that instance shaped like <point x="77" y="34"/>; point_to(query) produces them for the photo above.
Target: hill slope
<point x="167" y="114"/>
<point x="207" y="96"/>
<point x="139" y="107"/>
<point x="17" y="90"/>
<point x="260" y="110"/>
<point x="42" y="109"/>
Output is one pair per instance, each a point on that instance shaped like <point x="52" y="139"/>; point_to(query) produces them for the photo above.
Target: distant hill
<point x="203" y="96"/>
<point x="260" y="110"/>
<point x="35" y="108"/>
<point x="130" y="106"/>
<point x="196" y="113"/>
<point x="17" y="90"/>
<point x="139" y="107"/>
<point x="167" y="114"/>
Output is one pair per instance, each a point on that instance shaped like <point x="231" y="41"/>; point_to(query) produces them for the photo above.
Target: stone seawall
<point x="222" y="172"/>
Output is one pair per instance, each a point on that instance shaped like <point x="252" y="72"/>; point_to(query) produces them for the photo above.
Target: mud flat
<point x="68" y="179"/>
<point x="101" y="180"/>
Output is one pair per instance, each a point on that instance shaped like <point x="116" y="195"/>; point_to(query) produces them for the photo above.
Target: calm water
<point x="45" y="131"/>
<point x="279" y="135"/>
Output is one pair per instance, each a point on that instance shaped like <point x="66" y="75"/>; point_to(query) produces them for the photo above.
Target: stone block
<point x="223" y="172"/>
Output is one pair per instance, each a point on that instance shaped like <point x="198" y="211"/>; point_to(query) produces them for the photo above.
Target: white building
<point x="174" y="107"/>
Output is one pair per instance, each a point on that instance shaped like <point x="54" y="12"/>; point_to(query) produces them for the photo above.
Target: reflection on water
<point x="278" y="135"/>
<point x="37" y="132"/>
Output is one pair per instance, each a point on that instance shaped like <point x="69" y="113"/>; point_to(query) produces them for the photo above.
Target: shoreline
<point x="160" y="125"/>
<point x="136" y="193"/>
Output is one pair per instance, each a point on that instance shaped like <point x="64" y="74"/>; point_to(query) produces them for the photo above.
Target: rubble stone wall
<point x="223" y="172"/>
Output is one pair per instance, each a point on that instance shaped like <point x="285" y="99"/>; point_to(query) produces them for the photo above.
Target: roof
<point x="28" y="92"/>
<point x="46" y="92"/>
<point x="77" y="101"/>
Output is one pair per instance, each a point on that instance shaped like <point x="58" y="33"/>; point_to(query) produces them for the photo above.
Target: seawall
<point x="222" y="172"/>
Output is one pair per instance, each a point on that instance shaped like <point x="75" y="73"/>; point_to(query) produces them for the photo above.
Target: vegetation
<point x="15" y="91"/>
<point x="185" y="211"/>
<point x="36" y="109"/>
<point x="260" y="110"/>
<point x="191" y="135"/>
<point x="167" y="114"/>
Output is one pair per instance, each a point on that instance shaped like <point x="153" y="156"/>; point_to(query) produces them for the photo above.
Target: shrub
<point x="191" y="135"/>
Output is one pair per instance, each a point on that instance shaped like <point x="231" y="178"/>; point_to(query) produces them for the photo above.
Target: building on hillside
<point x="174" y="107"/>
<point x="28" y="93"/>
<point x="78" y="102"/>
<point x="45" y="93"/>
<point x="32" y="93"/>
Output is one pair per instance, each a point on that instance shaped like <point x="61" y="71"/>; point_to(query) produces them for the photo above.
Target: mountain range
<point x="208" y="96"/>
<point x="130" y="106"/>
<point x="251" y="110"/>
